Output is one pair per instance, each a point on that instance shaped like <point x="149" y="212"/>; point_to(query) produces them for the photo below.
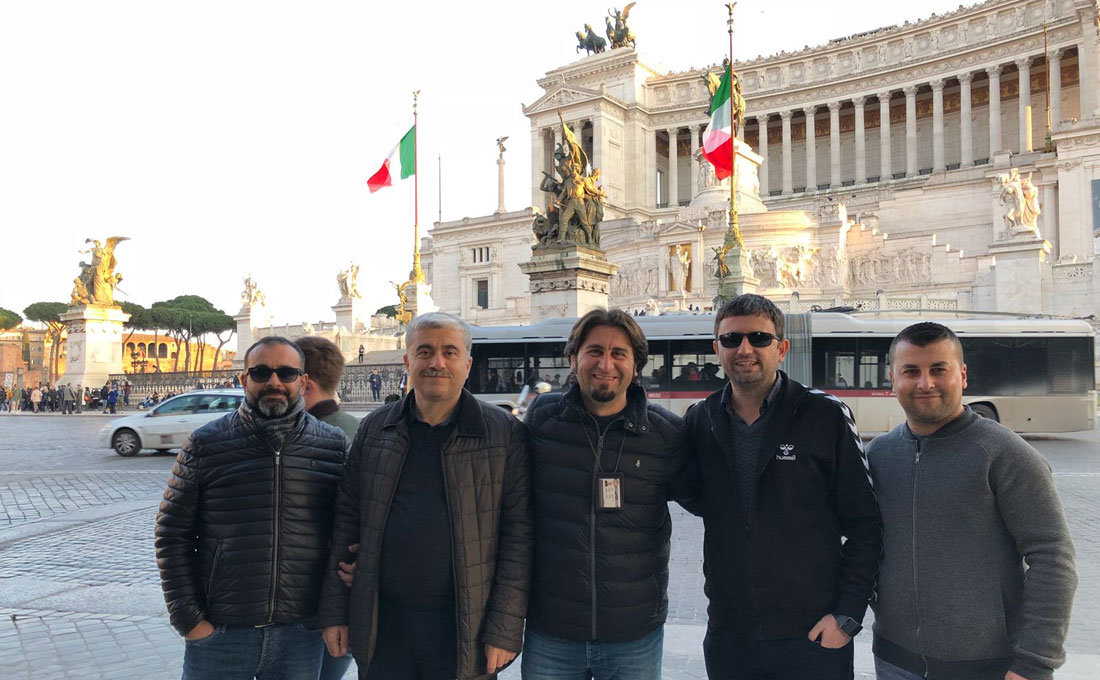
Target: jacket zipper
<point x="213" y="573"/>
<point x="385" y="520"/>
<point x="592" y="512"/>
<point x="275" y="543"/>
<point x="913" y="551"/>
<point x="450" y="527"/>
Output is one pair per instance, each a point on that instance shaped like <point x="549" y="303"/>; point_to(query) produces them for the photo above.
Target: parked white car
<point x="169" y="423"/>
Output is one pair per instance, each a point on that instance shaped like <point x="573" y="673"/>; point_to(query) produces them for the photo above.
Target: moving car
<point x="168" y="425"/>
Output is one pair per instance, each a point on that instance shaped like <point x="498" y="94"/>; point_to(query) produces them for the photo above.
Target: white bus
<point x="1032" y="375"/>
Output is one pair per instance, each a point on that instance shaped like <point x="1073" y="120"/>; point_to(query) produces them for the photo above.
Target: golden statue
<point x="619" y="34"/>
<point x="97" y="281"/>
<point x="404" y="315"/>
<point x="721" y="269"/>
<point x="576" y="204"/>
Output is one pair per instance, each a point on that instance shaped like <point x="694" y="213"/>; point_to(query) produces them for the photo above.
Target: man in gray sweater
<point x="977" y="577"/>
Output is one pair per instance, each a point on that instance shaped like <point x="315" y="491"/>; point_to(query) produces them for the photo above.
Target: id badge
<point x="609" y="492"/>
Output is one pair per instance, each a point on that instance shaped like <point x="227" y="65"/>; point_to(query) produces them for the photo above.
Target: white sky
<point x="236" y="137"/>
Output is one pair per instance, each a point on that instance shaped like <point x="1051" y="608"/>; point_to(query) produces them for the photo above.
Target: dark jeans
<point x="376" y="392"/>
<point x="730" y="656"/>
<point x="413" y="645"/>
<point x="551" y="658"/>
<point x="283" y="652"/>
<point x="334" y="667"/>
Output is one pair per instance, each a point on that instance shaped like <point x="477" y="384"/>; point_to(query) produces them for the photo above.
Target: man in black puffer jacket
<point x="606" y="463"/>
<point x="242" y="533"/>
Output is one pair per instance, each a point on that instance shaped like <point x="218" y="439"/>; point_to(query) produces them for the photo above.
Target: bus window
<point x="546" y="361"/>
<point x="655" y="374"/>
<point x="496" y="368"/>
<point x="874" y="364"/>
<point x="1070" y="365"/>
<point x="695" y="366"/>
<point x="1029" y="366"/>
<point x="834" y="363"/>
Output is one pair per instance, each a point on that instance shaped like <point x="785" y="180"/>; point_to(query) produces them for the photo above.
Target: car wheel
<point x="985" y="411"/>
<point x="126" y="443"/>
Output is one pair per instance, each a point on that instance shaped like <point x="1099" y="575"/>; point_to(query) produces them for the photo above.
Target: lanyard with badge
<point x="609" y="485"/>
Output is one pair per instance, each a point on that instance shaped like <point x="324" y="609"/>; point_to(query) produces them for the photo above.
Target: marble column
<point x="762" y="149"/>
<point x="673" y="167"/>
<point x="649" y="192"/>
<point x="1024" y="67"/>
<point x="1088" y="63"/>
<point x="811" y="149"/>
<point x="885" y="164"/>
<point x="695" y="132"/>
<point x="538" y="164"/>
<point x="937" y="125"/>
<point x="834" y="145"/>
<point x="597" y="142"/>
<point x="910" y="130"/>
<point x="966" y="129"/>
<point x="788" y="184"/>
<point x="994" y="73"/>
<point x="557" y="136"/>
<point x="861" y="142"/>
<point x="1054" y="83"/>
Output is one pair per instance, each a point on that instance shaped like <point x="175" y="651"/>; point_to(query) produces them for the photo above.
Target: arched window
<point x="162" y="351"/>
<point x="130" y="347"/>
<point x="141" y="348"/>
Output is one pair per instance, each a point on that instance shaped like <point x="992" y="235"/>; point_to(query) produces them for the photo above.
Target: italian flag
<point x="718" y="137"/>
<point x="400" y="163"/>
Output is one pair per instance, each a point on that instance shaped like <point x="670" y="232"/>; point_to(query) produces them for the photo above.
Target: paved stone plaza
<point x="79" y="593"/>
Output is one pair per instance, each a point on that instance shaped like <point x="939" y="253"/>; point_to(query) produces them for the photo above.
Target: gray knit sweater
<point x="963" y="511"/>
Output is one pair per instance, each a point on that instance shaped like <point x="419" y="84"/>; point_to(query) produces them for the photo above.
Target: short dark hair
<point x="925" y="333"/>
<point x="750" y="305"/>
<point x="270" y="340"/>
<point x="324" y="361"/>
<point x="616" y="318"/>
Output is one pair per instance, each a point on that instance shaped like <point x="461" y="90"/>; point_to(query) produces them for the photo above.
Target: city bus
<point x="1032" y="375"/>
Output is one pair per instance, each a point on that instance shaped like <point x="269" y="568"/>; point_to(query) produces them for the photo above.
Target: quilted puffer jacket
<point x="242" y="533"/>
<point x="487" y="483"/>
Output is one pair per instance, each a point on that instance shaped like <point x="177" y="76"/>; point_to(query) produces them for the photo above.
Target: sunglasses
<point x="756" y="339"/>
<point x="262" y="374"/>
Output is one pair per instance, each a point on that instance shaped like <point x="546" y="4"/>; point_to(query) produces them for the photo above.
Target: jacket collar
<point x="470" y="417"/>
<point x="636" y="413"/>
<point x="324" y="408"/>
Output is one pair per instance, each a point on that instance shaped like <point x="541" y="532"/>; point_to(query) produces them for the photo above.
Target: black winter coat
<point x="603" y="574"/>
<point x="488" y="486"/>
<point x="775" y="573"/>
<point x="242" y="533"/>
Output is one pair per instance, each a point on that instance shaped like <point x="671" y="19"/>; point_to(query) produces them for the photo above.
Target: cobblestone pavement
<point x="79" y="593"/>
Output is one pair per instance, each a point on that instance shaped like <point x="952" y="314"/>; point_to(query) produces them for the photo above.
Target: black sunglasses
<point x="756" y="339"/>
<point x="262" y="374"/>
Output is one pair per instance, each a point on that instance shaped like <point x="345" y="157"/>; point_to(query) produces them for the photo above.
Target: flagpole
<point x="733" y="235"/>
<point x="417" y="274"/>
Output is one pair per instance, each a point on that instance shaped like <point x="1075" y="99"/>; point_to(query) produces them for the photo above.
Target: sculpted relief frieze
<point x="879" y="267"/>
<point x="636" y="278"/>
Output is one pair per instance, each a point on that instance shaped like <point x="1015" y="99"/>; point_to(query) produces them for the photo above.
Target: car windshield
<point x="184" y="404"/>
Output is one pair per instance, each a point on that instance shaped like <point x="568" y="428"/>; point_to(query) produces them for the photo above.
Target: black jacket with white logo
<point x="774" y="573"/>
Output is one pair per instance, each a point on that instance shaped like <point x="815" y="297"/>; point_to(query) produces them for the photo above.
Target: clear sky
<point x="235" y="137"/>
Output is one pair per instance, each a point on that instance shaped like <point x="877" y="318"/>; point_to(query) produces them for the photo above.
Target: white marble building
<point x="907" y="129"/>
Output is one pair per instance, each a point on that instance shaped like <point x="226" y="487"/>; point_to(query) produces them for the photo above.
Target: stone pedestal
<point x="1019" y="273"/>
<point x="246" y="323"/>
<point x="567" y="281"/>
<point x="348" y="315"/>
<point x="715" y="192"/>
<point x="93" y="344"/>
<point x="740" y="279"/>
<point x="420" y="299"/>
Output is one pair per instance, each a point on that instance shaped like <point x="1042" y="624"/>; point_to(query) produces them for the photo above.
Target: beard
<point x="603" y="394"/>
<point x="273" y="403"/>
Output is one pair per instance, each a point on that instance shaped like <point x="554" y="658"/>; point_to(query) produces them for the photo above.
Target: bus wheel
<point x="985" y="411"/>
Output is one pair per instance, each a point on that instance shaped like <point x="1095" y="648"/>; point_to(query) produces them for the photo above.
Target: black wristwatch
<point x="848" y="625"/>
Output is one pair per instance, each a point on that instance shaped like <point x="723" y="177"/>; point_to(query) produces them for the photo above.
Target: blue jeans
<point x="281" y="652"/>
<point x="885" y="670"/>
<point x="551" y="658"/>
<point x="334" y="667"/>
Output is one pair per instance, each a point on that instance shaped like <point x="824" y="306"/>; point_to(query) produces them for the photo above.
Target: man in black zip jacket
<point x="242" y="533"/>
<point x="605" y="465"/>
<point x="792" y="530"/>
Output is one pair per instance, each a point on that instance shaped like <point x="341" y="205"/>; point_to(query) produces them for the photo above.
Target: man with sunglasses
<point x="792" y="528"/>
<point x="242" y="533"/>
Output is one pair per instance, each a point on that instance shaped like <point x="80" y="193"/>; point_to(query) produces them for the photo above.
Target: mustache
<point x="271" y="390"/>
<point x="432" y="373"/>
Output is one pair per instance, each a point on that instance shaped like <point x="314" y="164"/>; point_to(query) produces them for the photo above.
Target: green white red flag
<point x="400" y="163"/>
<point x="718" y="137"/>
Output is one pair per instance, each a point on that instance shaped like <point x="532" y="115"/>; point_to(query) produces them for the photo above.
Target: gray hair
<point x="435" y="320"/>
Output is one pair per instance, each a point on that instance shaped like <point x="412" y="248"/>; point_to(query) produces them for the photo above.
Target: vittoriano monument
<point x="568" y="271"/>
<point x="93" y="324"/>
